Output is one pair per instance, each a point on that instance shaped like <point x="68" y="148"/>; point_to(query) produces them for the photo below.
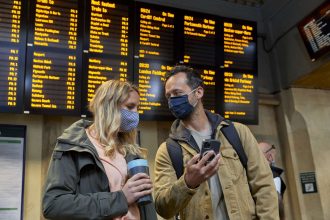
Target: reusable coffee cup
<point x="139" y="166"/>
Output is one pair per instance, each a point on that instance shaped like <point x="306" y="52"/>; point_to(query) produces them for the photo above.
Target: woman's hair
<point x="105" y="107"/>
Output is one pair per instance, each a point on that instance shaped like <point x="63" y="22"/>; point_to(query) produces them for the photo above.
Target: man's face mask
<point x="180" y="106"/>
<point x="129" y="120"/>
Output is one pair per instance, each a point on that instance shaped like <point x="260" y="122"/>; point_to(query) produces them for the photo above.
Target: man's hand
<point x="137" y="186"/>
<point x="199" y="171"/>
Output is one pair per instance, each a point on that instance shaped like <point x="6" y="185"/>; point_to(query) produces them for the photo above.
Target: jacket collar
<point x="180" y="133"/>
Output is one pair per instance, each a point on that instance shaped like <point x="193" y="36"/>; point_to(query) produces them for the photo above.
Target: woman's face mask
<point x="180" y="106"/>
<point x="129" y="120"/>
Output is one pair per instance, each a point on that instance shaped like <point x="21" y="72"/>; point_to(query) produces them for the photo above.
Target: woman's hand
<point x="137" y="186"/>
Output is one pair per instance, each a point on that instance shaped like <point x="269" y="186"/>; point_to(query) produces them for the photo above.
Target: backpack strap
<point x="232" y="136"/>
<point x="175" y="152"/>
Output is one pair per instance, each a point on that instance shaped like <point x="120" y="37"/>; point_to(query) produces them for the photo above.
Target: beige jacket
<point x="259" y="201"/>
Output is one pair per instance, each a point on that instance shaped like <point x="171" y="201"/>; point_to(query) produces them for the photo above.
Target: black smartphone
<point x="210" y="145"/>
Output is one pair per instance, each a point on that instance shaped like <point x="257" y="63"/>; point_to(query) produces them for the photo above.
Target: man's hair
<point x="105" y="107"/>
<point x="194" y="79"/>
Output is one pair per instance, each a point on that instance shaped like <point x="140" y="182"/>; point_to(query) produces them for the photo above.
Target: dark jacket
<point x="277" y="173"/>
<point x="77" y="186"/>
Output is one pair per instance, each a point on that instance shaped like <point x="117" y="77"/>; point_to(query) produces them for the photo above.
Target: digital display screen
<point x="151" y="78"/>
<point x="239" y="96"/>
<point x="209" y="76"/>
<point x="108" y="28"/>
<point x="108" y="49"/>
<point x="199" y="40"/>
<point x="239" y="45"/>
<point x="156" y="34"/>
<point x="315" y="31"/>
<point x="12" y="55"/>
<point x="103" y="69"/>
<point x="55" y="63"/>
<point x="52" y="84"/>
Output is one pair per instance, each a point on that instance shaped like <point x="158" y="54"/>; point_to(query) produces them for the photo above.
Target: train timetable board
<point x="151" y="78"/>
<point x="239" y="45"/>
<point x="108" y="50"/>
<point x="239" y="96"/>
<point x="108" y="27"/>
<point x="209" y="76"/>
<point x="70" y="47"/>
<point x="156" y="33"/>
<point x="199" y="31"/>
<point x="315" y="31"/>
<point x="52" y="84"/>
<point x="12" y="55"/>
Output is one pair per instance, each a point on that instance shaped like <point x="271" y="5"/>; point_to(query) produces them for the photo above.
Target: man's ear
<point x="199" y="92"/>
<point x="269" y="157"/>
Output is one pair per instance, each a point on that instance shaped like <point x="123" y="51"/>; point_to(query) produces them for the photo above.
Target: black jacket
<point x="277" y="173"/>
<point x="77" y="186"/>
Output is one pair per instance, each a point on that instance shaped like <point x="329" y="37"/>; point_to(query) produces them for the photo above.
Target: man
<point x="269" y="152"/>
<point x="220" y="189"/>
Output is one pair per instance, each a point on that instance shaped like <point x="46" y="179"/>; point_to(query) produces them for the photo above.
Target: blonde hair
<point x="105" y="107"/>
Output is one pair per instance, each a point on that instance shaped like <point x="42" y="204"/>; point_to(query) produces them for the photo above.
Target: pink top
<point x="116" y="171"/>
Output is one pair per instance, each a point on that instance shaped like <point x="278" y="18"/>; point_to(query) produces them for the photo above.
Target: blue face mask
<point x="180" y="106"/>
<point x="129" y="120"/>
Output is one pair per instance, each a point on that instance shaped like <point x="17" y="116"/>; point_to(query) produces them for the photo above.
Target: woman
<point x="87" y="177"/>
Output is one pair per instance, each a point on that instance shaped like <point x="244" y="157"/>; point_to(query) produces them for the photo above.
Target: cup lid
<point x="136" y="163"/>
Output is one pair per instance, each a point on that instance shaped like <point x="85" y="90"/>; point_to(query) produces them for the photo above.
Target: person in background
<point x="87" y="176"/>
<point x="269" y="152"/>
<point x="220" y="189"/>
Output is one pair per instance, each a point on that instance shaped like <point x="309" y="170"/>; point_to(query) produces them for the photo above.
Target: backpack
<point x="175" y="151"/>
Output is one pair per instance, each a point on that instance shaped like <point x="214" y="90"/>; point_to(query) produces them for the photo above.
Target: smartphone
<point x="210" y="145"/>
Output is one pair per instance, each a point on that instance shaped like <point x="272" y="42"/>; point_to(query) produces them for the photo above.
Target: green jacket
<point x="77" y="186"/>
<point x="248" y="194"/>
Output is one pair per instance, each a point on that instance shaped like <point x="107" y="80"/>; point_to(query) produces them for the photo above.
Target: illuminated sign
<point x="151" y="78"/>
<point x="55" y="23"/>
<point x="12" y="54"/>
<point x="156" y="34"/>
<point x="199" y="40"/>
<point x="315" y="31"/>
<point x="239" y="96"/>
<point x="108" y="29"/>
<point x="52" y="79"/>
<point x="239" y="45"/>
<point x="101" y="70"/>
<point x="70" y="47"/>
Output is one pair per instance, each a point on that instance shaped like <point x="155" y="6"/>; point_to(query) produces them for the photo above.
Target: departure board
<point x="108" y="28"/>
<point x="315" y="31"/>
<point x="239" y="45"/>
<point x="209" y="76"/>
<point x="55" y="23"/>
<point x="239" y="96"/>
<point x="103" y="69"/>
<point x="108" y="49"/>
<point x="12" y="55"/>
<point x="53" y="62"/>
<point x="156" y="34"/>
<point x="199" y="40"/>
<point x="151" y="78"/>
<point x="53" y="83"/>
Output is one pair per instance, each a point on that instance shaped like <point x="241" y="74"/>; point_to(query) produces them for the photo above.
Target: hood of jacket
<point x="180" y="133"/>
<point x="75" y="137"/>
